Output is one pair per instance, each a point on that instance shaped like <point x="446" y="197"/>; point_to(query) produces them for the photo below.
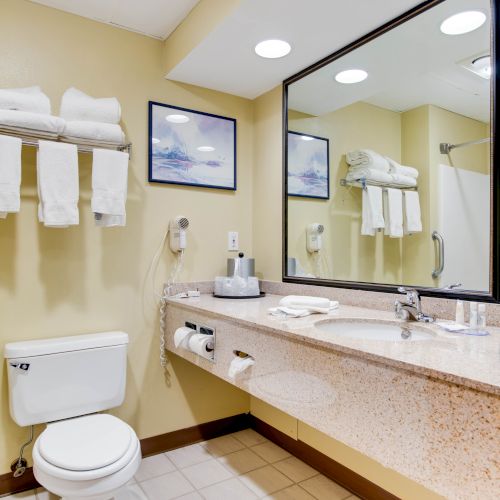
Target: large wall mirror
<point x="389" y="174"/>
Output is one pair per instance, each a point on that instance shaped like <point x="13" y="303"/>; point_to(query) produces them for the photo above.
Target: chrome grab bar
<point x="439" y="269"/>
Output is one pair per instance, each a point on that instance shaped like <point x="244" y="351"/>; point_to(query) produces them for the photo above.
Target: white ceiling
<point x="155" y="18"/>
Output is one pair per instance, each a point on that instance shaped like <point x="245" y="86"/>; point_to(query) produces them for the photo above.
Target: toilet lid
<point x="85" y="443"/>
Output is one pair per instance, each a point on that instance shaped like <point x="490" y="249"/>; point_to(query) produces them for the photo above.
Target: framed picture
<point x="191" y="148"/>
<point x="308" y="166"/>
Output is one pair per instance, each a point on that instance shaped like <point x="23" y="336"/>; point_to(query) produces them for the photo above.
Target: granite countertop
<point x="465" y="360"/>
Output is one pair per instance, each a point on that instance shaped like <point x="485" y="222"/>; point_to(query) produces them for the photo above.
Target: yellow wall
<point x="86" y="279"/>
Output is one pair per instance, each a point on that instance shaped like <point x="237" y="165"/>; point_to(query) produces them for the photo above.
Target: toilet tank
<point x="58" y="378"/>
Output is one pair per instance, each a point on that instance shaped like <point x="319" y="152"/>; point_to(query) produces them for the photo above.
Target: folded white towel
<point x="369" y="174"/>
<point x="413" y="221"/>
<point x="30" y="99"/>
<point x="57" y="172"/>
<point x="306" y="302"/>
<point x="289" y="312"/>
<point x="396" y="168"/>
<point x="393" y="213"/>
<point x="96" y="131"/>
<point x="78" y="106"/>
<point x="403" y="180"/>
<point x="31" y="121"/>
<point x="109" y="187"/>
<point x="367" y="158"/>
<point x="10" y="174"/>
<point x="372" y="210"/>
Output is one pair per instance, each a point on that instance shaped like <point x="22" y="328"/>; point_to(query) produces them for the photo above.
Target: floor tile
<point x="294" y="492"/>
<point x="189" y="455"/>
<point x="249" y="437"/>
<point x="223" y="446"/>
<point x="231" y="489"/>
<point x="323" y="488"/>
<point x="295" y="469"/>
<point x="153" y="467"/>
<point x="137" y="491"/>
<point x="206" y="473"/>
<point x="43" y="494"/>
<point x="242" y="461"/>
<point x="25" y="495"/>
<point x="265" y="481"/>
<point x="270" y="452"/>
<point x="190" y="496"/>
<point x="166" y="487"/>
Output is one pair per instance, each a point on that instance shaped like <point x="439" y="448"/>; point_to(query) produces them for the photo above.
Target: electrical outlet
<point x="232" y="241"/>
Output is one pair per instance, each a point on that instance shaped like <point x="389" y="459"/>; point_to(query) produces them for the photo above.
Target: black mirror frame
<point x="494" y="294"/>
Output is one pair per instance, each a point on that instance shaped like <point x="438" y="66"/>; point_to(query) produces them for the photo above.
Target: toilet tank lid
<point x="63" y="344"/>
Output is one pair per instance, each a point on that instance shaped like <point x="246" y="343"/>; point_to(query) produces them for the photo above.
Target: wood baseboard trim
<point x="337" y="472"/>
<point x="10" y="484"/>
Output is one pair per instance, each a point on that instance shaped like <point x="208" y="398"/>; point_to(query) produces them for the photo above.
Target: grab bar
<point x="439" y="269"/>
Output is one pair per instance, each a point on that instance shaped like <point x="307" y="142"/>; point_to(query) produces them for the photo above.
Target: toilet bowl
<point x="89" y="457"/>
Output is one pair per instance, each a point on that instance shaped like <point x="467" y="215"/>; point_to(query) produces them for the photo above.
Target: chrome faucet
<point x="412" y="308"/>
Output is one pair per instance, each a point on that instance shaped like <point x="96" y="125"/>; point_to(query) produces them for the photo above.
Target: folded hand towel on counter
<point x="10" y="175"/>
<point x="305" y="302"/>
<point x="369" y="174"/>
<point x="31" y="121"/>
<point x="393" y="213"/>
<point x="94" y="131"/>
<point x="372" y="210"/>
<point x="367" y="158"/>
<point x="412" y="216"/>
<point x="109" y="187"/>
<point x="396" y="168"/>
<point x="289" y="312"/>
<point x="78" y="106"/>
<point x="30" y="99"/>
<point x="57" y="173"/>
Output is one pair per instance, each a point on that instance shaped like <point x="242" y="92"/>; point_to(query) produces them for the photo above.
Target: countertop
<point x="461" y="359"/>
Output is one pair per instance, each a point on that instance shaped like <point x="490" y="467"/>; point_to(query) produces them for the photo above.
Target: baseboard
<point x="10" y="484"/>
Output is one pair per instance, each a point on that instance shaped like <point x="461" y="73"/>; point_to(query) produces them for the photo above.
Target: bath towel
<point x="10" y="175"/>
<point x="413" y="221"/>
<point x="396" y="168"/>
<point x="78" y="106"/>
<point x="367" y="158"/>
<point x="94" y="131"/>
<point x="372" y="211"/>
<point x="30" y="99"/>
<point x="368" y="174"/>
<point x="31" y="122"/>
<point x="393" y="213"/>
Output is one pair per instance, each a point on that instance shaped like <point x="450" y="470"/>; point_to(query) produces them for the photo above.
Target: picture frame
<point x="308" y="174"/>
<point x="191" y="148"/>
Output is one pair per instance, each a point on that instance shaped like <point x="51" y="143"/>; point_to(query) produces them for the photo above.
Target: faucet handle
<point x="412" y="294"/>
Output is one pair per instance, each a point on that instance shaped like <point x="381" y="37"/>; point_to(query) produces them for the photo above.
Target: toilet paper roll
<point x="239" y="365"/>
<point x="182" y="336"/>
<point x="201" y="344"/>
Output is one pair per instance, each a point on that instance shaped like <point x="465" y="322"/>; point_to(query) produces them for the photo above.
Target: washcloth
<point x="30" y="99"/>
<point x="304" y="310"/>
<point x="31" y="121"/>
<point x="10" y="174"/>
<point x="78" y="106"/>
<point x="393" y="213"/>
<point x="94" y="131"/>
<point x="396" y="168"/>
<point x="367" y="158"/>
<point x="306" y="302"/>
<point x="369" y="174"/>
<point x="57" y="173"/>
<point x="109" y="187"/>
<point x="413" y="221"/>
<point x="372" y="210"/>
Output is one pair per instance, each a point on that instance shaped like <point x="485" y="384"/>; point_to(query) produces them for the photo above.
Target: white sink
<point x="375" y="330"/>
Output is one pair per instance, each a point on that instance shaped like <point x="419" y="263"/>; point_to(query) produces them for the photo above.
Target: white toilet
<point x="63" y="382"/>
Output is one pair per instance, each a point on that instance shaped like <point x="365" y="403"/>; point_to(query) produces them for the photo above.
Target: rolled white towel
<point x="396" y="168"/>
<point x="403" y="180"/>
<point x="31" y="121"/>
<point x="29" y="99"/>
<point x="78" y="106"/>
<point x="94" y="131"/>
<point x="313" y="304"/>
<point x="367" y="158"/>
<point x="370" y="174"/>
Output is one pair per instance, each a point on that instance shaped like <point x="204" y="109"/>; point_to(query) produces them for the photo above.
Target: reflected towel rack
<point x="362" y="183"/>
<point x="445" y="147"/>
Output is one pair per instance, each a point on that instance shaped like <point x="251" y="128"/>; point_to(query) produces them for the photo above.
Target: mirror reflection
<point x="388" y="159"/>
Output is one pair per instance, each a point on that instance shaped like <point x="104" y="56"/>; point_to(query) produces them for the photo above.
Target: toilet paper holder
<point x="204" y="330"/>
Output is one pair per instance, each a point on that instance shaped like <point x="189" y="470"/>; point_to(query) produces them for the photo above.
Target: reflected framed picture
<point x="308" y="166"/>
<point x="191" y="148"/>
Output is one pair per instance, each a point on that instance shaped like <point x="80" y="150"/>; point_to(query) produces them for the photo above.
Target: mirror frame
<point x="491" y="296"/>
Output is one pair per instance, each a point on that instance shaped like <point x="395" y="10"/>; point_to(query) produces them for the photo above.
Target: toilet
<point x="64" y="383"/>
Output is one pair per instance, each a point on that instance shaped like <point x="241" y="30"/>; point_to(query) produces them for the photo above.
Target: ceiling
<point x="412" y="65"/>
<point x="155" y="18"/>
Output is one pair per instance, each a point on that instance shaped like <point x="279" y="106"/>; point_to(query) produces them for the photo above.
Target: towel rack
<point x="362" y="183"/>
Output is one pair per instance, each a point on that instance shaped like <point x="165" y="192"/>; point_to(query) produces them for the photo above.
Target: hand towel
<point x="109" y="187"/>
<point x="367" y="158"/>
<point x="306" y="302"/>
<point x="78" y="106"/>
<point x="10" y="174"/>
<point x="31" y="121"/>
<point x="393" y="213"/>
<point x="57" y="172"/>
<point x="369" y="174"/>
<point x="403" y="180"/>
<point x="95" y="131"/>
<point x="372" y="210"/>
<point x="413" y="221"/>
<point x="30" y="99"/>
<point x="396" y="168"/>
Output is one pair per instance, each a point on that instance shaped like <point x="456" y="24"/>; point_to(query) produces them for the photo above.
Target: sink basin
<point x="375" y="330"/>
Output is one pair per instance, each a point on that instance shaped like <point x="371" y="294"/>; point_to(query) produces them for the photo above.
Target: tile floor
<point x="239" y="466"/>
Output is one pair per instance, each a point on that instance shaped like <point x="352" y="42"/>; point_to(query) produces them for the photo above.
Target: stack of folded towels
<point x="298" y="306"/>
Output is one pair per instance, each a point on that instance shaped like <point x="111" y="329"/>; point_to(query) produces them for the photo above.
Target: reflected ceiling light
<point x="351" y="76"/>
<point x="154" y="140"/>
<point x="464" y="22"/>
<point x="482" y="66"/>
<point x="177" y="118"/>
<point x="206" y="149"/>
<point x="273" y="49"/>
<point x="307" y="138"/>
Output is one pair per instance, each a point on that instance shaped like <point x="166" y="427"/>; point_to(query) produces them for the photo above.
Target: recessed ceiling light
<point x="307" y="138"/>
<point x="273" y="49"/>
<point x="351" y="76"/>
<point x="464" y="22"/>
<point x="177" y="118"/>
<point x="206" y="149"/>
<point x="154" y="140"/>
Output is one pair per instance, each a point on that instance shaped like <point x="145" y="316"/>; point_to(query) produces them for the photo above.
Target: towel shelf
<point x="362" y="183"/>
<point x="30" y="138"/>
